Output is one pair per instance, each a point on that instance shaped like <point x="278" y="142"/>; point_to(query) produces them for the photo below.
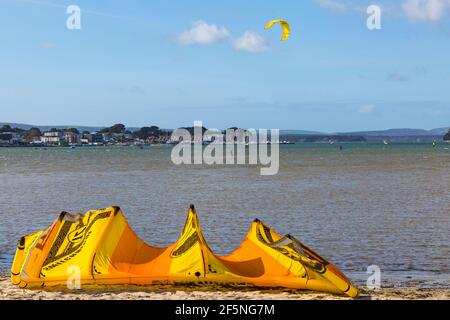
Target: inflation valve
<point x="21" y="243"/>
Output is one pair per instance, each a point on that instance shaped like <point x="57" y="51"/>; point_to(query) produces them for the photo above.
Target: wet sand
<point x="10" y="292"/>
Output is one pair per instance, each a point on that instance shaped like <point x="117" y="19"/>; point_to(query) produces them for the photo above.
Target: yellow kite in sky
<point x="284" y="25"/>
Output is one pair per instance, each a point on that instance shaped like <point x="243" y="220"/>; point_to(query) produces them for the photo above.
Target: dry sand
<point x="8" y="292"/>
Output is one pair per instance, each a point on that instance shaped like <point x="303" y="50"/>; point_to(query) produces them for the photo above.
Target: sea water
<point x="367" y="204"/>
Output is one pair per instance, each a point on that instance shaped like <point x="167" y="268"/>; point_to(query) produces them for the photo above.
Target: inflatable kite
<point x="105" y="250"/>
<point x="284" y="26"/>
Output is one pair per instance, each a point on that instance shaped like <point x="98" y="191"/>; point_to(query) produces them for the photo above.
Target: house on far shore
<point x="52" y="138"/>
<point x="94" y="138"/>
<point x="71" y="137"/>
<point x="10" y="138"/>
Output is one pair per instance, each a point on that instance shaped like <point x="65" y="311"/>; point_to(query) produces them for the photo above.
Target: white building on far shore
<point x="52" y="137"/>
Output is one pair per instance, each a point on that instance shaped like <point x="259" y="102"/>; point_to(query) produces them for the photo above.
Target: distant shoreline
<point x="320" y="142"/>
<point x="119" y="134"/>
<point x="395" y="132"/>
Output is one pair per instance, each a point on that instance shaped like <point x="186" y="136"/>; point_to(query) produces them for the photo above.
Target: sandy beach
<point x="10" y="292"/>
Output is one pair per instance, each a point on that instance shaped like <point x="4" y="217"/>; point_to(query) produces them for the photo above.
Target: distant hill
<point x="401" y="132"/>
<point x="300" y="133"/>
<point x="299" y="138"/>
<point x="440" y="131"/>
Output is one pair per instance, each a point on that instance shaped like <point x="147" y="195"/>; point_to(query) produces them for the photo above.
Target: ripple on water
<point x="363" y="206"/>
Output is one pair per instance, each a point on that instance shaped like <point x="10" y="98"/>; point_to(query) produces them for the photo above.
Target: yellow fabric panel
<point x="286" y="264"/>
<point x="77" y="243"/>
<point x="41" y="249"/>
<point x="189" y="263"/>
<point x="29" y="259"/>
<point x="289" y="264"/>
<point x="21" y="257"/>
<point x="102" y="260"/>
<point x="187" y="255"/>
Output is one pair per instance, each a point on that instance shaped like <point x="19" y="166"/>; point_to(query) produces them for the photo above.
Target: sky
<point x="170" y="63"/>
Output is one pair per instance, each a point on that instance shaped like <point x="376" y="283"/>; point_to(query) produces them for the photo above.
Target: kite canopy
<point x="284" y="25"/>
<point x="105" y="250"/>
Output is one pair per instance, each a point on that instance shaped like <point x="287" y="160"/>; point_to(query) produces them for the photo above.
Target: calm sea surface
<point x="366" y="205"/>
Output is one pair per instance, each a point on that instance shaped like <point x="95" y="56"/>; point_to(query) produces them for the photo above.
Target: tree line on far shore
<point x="26" y="134"/>
<point x="32" y="133"/>
<point x="142" y="133"/>
<point x="116" y="129"/>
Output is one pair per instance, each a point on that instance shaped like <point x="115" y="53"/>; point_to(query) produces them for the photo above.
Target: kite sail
<point x="105" y="250"/>
<point x="284" y="25"/>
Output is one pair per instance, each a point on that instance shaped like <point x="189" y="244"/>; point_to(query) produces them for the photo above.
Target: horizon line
<point x="138" y="127"/>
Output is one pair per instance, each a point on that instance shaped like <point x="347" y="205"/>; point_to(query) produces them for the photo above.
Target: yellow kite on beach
<point x="101" y="248"/>
<point x="284" y="25"/>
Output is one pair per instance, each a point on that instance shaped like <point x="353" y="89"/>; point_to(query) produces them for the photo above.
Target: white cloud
<point x="334" y="5"/>
<point x="425" y="10"/>
<point x="366" y="109"/>
<point x="203" y="33"/>
<point x="414" y="10"/>
<point x="349" y="6"/>
<point x="250" y="42"/>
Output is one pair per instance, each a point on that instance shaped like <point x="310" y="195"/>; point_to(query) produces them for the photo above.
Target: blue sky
<point x="172" y="62"/>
